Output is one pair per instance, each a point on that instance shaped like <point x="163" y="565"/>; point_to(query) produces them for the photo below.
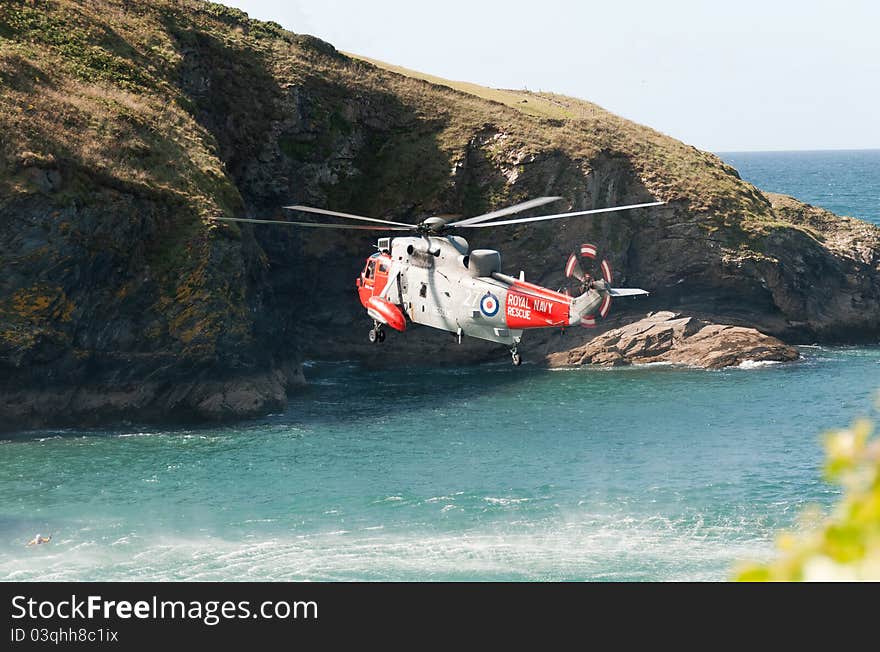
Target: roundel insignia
<point x="489" y="304"/>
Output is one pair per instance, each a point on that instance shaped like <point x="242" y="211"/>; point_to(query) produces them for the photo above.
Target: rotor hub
<point x="432" y="225"/>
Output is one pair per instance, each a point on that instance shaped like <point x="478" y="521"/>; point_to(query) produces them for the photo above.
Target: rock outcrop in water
<point x="199" y="398"/>
<point x="668" y="337"/>
<point x="127" y="126"/>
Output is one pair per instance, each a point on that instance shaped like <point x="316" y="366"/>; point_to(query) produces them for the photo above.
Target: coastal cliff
<point x="128" y="126"/>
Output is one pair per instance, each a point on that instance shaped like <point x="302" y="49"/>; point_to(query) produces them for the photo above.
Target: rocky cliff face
<point x="127" y="126"/>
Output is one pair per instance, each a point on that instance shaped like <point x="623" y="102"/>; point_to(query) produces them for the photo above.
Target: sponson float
<point x="434" y="279"/>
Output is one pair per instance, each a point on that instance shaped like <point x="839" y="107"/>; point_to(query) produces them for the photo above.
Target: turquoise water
<point x="846" y="182"/>
<point x="485" y="473"/>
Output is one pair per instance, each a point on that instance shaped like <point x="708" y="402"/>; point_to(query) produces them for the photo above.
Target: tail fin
<point x="593" y="300"/>
<point x="582" y="305"/>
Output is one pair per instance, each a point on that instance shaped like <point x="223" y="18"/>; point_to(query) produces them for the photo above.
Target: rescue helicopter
<point x="433" y="278"/>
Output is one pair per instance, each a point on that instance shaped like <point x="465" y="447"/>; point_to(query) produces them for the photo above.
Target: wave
<point x="505" y="501"/>
<point x="757" y="364"/>
<point x="593" y="548"/>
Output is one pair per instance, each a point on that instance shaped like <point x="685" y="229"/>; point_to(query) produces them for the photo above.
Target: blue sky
<point x="741" y="75"/>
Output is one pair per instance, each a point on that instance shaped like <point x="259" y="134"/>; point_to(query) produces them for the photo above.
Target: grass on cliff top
<point x="524" y="101"/>
<point x="670" y="169"/>
<point x="550" y="106"/>
<point x="92" y="85"/>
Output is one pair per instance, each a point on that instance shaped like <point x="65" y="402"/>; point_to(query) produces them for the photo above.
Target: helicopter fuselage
<point x="438" y="281"/>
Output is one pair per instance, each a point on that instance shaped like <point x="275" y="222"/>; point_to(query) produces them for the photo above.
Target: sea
<point x="654" y="473"/>
<point x="846" y="182"/>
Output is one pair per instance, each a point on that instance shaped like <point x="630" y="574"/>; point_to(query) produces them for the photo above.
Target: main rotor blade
<point x="315" y="225"/>
<point x="540" y="218"/>
<point x="516" y="208"/>
<point x="321" y="211"/>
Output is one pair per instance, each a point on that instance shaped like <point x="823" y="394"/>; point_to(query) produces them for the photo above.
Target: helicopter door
<point x="380" y="279"/>
<point x="370" y="274"/>
<point x="366" y="281"/>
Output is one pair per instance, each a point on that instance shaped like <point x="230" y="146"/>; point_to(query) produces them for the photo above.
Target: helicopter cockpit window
<point x="371" y="268"/>
<point x="383" y="268"/>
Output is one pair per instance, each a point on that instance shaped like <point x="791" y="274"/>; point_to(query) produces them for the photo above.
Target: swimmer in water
<point x="38" y="539"/>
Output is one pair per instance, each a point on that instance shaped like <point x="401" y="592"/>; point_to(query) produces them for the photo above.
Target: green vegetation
<point x="91" y="94"/>
<point x="535" y="104"/>
<point x="844" y="545"/>
<point x="90" y="51"/>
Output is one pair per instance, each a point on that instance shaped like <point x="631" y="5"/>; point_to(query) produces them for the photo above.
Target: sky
<point x="740" y="75"/>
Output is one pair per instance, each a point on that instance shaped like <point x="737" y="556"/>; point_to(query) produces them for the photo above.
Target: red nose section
<point x="386" y="312"/>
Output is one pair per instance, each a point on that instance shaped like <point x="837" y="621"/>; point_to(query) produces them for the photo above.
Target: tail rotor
<point x="587" y="281"/>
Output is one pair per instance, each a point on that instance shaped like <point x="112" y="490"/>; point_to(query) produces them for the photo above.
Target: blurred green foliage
<point x="845" y="545"/>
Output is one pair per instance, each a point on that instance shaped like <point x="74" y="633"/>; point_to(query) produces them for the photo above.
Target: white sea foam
<point x="437" y="499"/>
<point x="609" y="547"/>
<point x="505" y="501"/>
<point x="757" y="364"/>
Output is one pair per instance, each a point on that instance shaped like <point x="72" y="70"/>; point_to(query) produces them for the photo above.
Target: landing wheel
<point x="516" y="358"/>
<point x="373" y="335"/>
<point x="381" y="336"/>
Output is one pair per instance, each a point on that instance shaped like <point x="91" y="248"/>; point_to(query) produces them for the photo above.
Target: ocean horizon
<point x="846" y="182"/>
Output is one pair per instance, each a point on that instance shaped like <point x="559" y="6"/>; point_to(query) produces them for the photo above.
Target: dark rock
<point x="149" y="401"/>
